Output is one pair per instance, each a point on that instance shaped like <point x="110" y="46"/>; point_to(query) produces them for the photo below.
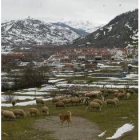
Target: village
<point x="72" y="67"/>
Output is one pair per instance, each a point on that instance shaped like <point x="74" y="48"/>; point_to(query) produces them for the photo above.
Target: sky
<point x="94" y="11"/>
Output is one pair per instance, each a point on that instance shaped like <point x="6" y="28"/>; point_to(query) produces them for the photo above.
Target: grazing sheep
<point x="116" y="93"/>
<point x="92" y="95"/>
<point x="19" y="112"/>
<point x="14" y="101"/>
<point x="76" y="101"/>
<point x="59" y="104"/>
<point x="34" y="111"/>
<point x="39" y="101"/>
<point x="128" y="95"/>
<point x="8" y="115"/>
<point x="66" y="101"/>
<point x="93" y="105"/>
<point x="98" y="101"/>
<point x="54" y="100"/>
<point x="2" y="112"/>
<point x="112" y="101"/>
<point x="45" y="110"/>
<point x="121" y="95"/>
<point x="105" y="92"/>
<point x="57" y="99"/>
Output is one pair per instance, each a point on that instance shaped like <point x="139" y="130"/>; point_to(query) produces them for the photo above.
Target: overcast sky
<point x="95" y="11"/>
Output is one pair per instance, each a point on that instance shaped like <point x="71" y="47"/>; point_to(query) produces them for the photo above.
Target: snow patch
<point x="102" y="134"/>
<point x="120" y="131"/>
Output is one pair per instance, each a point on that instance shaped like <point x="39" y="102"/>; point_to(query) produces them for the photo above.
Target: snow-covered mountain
<point x="122" y="31"/>
<point x="82" y="25"/>
<point x="87" y="26"/>
<point x="35" y="32"/>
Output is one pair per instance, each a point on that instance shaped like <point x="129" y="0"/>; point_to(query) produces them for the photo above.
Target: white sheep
<point x="66" y="101"/>
<point x="59" y="104"/>
<point x="19" y="112"/>
<point x="8" y="115"/>
<point x="98" y="101"/>
<point x="93" y="105"/>
<point x="45" y="110"/>
<point x="112" y="101"/>
<point x="121" y="95"/>
<point x="57" y="98"/>
<point x="34" y="111"/>
<point x="128" y="95"/>
<point x="76" y="101"/>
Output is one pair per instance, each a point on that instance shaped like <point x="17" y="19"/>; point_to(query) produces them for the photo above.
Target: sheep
<point x="8" y="114"/>
<point x="39" y="101"/>
<point x="105" y="92"/>
<point x="76" y="101"/>
<point x="2" y="112"/>
<point x="121" y="95"/>
<point x="19" y="112"/>
<point x="128" y="95"/>
<point x="93" y="105"/>
<point x="112" y="101"/>
<point x="57" y="98"/>
<point x="66" y="101"/>
<point x="59" y="104"/>
<point x="45" y="110"/>
<point x="98" y="101"/>
<point x="116" y="93"/>
<point x="14" y="101"/>
<point x="94" y="95"/>
<point x="34" y="111"/>
<point x="54" y="100"/>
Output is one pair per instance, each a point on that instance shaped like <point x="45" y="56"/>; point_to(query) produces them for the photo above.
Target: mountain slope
<point x="119" y="32"/>
<point x="83" y="25"/>
<point x="36" y="32"/>
<point x="82" y="32"/>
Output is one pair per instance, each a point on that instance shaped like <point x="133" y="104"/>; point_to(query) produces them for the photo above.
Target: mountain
<point x="36" y="32"/>
<point x="83" y="25"/>
<point x="122" y="31"/>
<point x="82" y="32"/>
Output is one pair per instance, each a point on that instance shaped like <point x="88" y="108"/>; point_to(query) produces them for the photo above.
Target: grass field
<point x="109" y="119"/>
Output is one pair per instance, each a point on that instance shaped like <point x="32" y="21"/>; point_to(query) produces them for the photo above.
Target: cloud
<point x="97" y="11"/>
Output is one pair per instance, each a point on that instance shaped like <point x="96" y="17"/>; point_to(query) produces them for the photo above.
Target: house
<point x="88" y="54"/>
<point x="12" y="58"/>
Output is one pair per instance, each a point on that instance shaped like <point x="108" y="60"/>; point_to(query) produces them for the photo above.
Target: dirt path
<point x="81" y="129"/>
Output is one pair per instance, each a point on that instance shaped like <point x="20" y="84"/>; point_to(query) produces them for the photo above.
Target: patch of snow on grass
<point x="120" y="131"/>
<point x="102" y="134"/>
<point x="55" y="80"/>
<point x="25" y="103"/>
<point x="3" y="97"/>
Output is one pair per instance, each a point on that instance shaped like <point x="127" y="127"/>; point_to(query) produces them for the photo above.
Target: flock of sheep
<point x="14" y="113"/>
<point x="92" y="100"/>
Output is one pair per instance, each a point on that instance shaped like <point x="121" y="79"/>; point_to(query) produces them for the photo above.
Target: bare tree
<point x="9" y="97"/>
